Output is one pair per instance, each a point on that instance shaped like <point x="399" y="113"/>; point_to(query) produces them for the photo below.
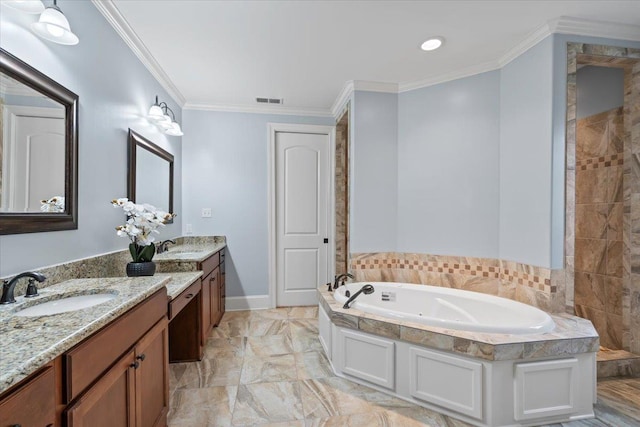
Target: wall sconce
<point x="159" y="114"/>
<point x="54" y="26"/>
<point x="27" y="6"/>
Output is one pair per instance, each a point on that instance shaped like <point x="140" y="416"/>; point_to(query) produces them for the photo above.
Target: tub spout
<point x="339" y="280"/>
<point x="367" y="289"/>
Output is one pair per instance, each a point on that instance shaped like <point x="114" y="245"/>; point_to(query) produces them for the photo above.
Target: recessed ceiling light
<point x="432" y="44"/>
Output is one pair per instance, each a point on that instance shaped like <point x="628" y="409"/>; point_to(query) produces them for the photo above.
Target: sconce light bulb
<point x="54" y="26"/>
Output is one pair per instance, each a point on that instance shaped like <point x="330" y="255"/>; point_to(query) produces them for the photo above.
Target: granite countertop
<point x="178" y="282"/>
<point x="28" y="343"/>
<point x="190" y="252"/>
<point x="572" y="335"/>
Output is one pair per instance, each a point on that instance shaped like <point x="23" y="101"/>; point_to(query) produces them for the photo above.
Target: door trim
<point x="273" y="128"/>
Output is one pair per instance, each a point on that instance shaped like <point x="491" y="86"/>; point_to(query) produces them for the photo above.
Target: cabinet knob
<point x="15" y="425"/>
<point x="134" y="365"/>
<point x="189" y="296"/>
<point x="141" y="357"/>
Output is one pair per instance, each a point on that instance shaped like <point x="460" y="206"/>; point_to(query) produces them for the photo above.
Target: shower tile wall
<point x="632" y="208"/>
<point x="599" y="224"/>
<point x="342" y="193"/>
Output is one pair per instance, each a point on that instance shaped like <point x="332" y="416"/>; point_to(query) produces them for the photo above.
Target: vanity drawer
<point x="210" y="263"/>
<point x="33" y="403"/>
<point x="178" y="303"/>
<point x="88" y="360"/>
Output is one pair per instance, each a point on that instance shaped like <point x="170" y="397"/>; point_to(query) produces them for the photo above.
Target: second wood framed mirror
<point x="150" y="174"/>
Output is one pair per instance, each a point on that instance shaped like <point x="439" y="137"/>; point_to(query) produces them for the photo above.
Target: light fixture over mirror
<point x="54" y="26"/>
<point x="159" y="114"/>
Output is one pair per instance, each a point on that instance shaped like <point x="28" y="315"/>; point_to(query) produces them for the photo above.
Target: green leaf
<point x="133" y="251"/>
<point x="147" y="253"/>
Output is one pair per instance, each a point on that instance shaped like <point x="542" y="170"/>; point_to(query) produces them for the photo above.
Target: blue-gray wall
<point x="115" y="91"/>
<point x="599" y="89"/>
<point x="526" y="95"/>
<point x="448" y="174"/>
<point x="226" y="157"/>
<point x="374" y="170"/>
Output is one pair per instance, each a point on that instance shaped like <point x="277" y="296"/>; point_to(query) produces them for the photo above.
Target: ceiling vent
<point x="270" y="100"/>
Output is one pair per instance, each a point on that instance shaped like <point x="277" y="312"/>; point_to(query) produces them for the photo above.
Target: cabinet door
<point x="215" y="297"/>
<point x="33" y="404"/>
<point x="223" y="287"/>
<point x="152" y="377"/>
<point x="110" y="401"/>
<point x="206" y="308"/>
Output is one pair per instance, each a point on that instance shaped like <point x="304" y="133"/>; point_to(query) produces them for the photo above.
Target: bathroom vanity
<point x="194" y="310"/>
<point x="107" y="365"/>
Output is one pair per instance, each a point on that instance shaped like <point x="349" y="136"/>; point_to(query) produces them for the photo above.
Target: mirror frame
<point x="32" y="222"/>
<point x="136" y="140"/>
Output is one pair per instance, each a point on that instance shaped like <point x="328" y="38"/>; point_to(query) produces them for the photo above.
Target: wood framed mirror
<point x="150" y="174"/>
<point x="38" y="151"/>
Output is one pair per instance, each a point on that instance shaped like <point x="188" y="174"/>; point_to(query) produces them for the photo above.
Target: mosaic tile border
<point x="533" y="277"/>
<point x="431" y="266"/>
<point x="599" y="162"/>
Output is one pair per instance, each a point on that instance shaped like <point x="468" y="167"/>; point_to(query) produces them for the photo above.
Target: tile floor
<point x="267" y="368"/>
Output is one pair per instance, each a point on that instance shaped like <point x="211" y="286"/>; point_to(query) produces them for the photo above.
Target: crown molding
<point x="529" y="41"/>
<point x="342" y="99"/>
<point x="375" y="86"/>
<point x="587" y="27"/>
<point x="561" y="25"/>
<point x="122" y="27"/>
<point x="447" y="77"/>
<point x="259" y="109"/>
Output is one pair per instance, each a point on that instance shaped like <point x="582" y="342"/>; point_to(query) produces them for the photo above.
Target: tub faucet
<point x="341" y="279"/>
<point x="163" y="246"/>
<point x="367" y="289"/>
<point x="9" y="285"/>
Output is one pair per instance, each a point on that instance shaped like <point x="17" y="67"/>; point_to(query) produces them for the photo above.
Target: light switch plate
<point x="206" y="212"/>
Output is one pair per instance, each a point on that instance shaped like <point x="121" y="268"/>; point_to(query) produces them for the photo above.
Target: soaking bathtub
<point x="448" y="308"/>
<point x="488" y="361"/>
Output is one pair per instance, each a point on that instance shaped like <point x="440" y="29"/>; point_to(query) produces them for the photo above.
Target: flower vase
<point x="135" y="269"/>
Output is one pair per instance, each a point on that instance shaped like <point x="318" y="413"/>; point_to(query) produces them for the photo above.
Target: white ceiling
<point x="227" y="53"/>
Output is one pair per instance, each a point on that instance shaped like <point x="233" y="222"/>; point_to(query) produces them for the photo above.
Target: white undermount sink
<point x="187" y="254"/>
<point x="64" y="305"/>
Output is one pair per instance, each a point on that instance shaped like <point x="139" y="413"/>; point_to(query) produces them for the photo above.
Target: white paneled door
<point x="33" y="162"/>
<point x="302" y="201"/>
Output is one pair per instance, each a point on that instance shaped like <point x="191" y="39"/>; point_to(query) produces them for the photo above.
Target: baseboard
<point x="251" y="302"/>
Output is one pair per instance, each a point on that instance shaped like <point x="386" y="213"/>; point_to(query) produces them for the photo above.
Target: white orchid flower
<point x="142" y="221"/>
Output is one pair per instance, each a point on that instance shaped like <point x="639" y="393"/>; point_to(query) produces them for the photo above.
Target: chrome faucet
<point x="162" y="246"/>
<point x="341" y="279"/>
<point x="367" y="289"/>
<point x="8" y="286"/>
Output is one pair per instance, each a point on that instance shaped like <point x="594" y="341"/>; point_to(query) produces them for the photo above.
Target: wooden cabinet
<point x="32" y="403"/>
<point x="133" y="391"/>
<point x="119" y="376"/>
<point x="110" y="402"/>
<point x="213" y="292"/>
<point x="152" y="377"/>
